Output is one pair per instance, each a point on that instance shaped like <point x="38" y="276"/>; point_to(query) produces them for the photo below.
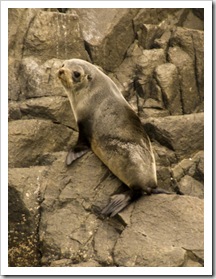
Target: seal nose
<point x="60" y="72"/>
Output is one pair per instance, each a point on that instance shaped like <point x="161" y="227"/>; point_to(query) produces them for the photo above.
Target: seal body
<point x="108" y="125"/>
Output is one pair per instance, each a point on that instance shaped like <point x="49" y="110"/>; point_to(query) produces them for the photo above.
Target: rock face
<point x="155" y="56"/>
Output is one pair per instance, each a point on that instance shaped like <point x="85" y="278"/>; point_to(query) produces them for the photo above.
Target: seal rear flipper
<point x="75" y="154"/>
<point x="160" y="191"/>
<point x="117" y="203"/>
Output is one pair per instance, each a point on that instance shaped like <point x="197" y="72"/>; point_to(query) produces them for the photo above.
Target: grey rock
<point x="154" y="16"/>
<point x="62" y="41"/>
<point x="25" y="188"/>
<point x="71" y="193"/>
<point x="14" y="89"/>
<point x="193" y="166"/>
<point x="146" y="64"/>
<point x="198" y="41"/>
<point x="147" y="35"/>
<point x="168" y="80"/>
<point x="104" y="250"/>
<point x="192" y="42"/>
<point x="104" y="31"/>
<point x="39" y="80"/>
<point x="193" y="21"/>
<point x="57" y="109"/>
<point x="192" y="187"/>
<point x="31" y="140"/>
<point x="161" y="232"/>
<point x="189" y="91"/>
<point x="183" y="134"/>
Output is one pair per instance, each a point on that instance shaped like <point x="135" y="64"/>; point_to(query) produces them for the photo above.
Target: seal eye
<point x="76" y="76"/>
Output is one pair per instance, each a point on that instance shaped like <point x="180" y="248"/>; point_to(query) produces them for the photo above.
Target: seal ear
<point x="89" y="77"/>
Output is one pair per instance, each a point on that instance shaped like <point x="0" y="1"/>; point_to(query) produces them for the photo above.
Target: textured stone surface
<point x="183" y="134"/>
<point x="156" y="221"/>
<point x="61" y="39"/>
<point x="155" y="56"/>
<point x="30" y="141"/>
<point x="107" y="34"/>
<point x="25" y="187"/>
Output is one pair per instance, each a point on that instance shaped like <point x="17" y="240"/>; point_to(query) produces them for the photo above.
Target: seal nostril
<point x="61" y="71"/>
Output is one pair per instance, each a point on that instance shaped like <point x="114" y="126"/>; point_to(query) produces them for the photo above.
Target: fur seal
<point x="109" y="126"/>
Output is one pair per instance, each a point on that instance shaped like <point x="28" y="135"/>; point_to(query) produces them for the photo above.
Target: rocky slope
<point x="155" y="56"/>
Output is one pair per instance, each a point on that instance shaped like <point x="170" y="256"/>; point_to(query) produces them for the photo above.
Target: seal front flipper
<point x="117" y="203"/>
<point x="79" y="150"/>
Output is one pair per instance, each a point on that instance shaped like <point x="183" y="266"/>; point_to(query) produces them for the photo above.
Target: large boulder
<point x="31" y="141"/>
<point x="107" y="35"/>
<point x="163" y="231"/>
<point x="183" y="134"/>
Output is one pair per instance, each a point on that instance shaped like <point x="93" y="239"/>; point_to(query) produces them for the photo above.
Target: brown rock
<point x="57" y="109"/>
<point x="146" y="64"/>
<point x="161" y="232"/>
<point x="147" y="35"/>
<point x="108" y="34"/>
<point x="62" y="39"/>
<point x="30" y="140"/>
<point x="168" y="80"/>
<point x="69" y="224"/>
<point x="25" y="190"/>
<point x="189" y="91"/>
<point x="192" y="187"/>
<point x="39" y="80"/>
<point x="183" y="134"/>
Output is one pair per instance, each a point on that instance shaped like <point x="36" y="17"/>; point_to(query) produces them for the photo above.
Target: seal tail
<point x="117" y="203"/>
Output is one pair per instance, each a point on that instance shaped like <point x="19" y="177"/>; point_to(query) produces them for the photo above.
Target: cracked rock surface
<point x="155" y="56"/>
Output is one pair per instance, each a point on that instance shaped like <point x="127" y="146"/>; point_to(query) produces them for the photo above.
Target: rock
<point x="164" y="178"/>
<point x="189" y="92"/>
<point x="25" y="187"/>
<point x="167" y="78"/>
<point x="193" y="21"/>
<point x="193" y="166"/>
<point x="153" y="16"/>
<point x="39" y="80"/>
<point x="183" y="134"/>
<point x="163" y="41"/>
<point x="61" y="40"/>
<point x="192" y="42"/>
<point x="105" y="32"/>
<point x="18" y="21"/>
<point x="161" y="232"/>
<point x="71" y="193"/>
<point x="146" y="64"/>
<point x="103" y="248"/>
<point x="57" y="109"/>
<point x="198" y="41"/>
<point x="163" y="155"/>
<point x="192" y="187"/>
<point x="67" y="263"/>
<point x="14" y="89"/>
<point x="31" y="140"/>
<point x="199" y="12"/>
<point x="147" y="35"/>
